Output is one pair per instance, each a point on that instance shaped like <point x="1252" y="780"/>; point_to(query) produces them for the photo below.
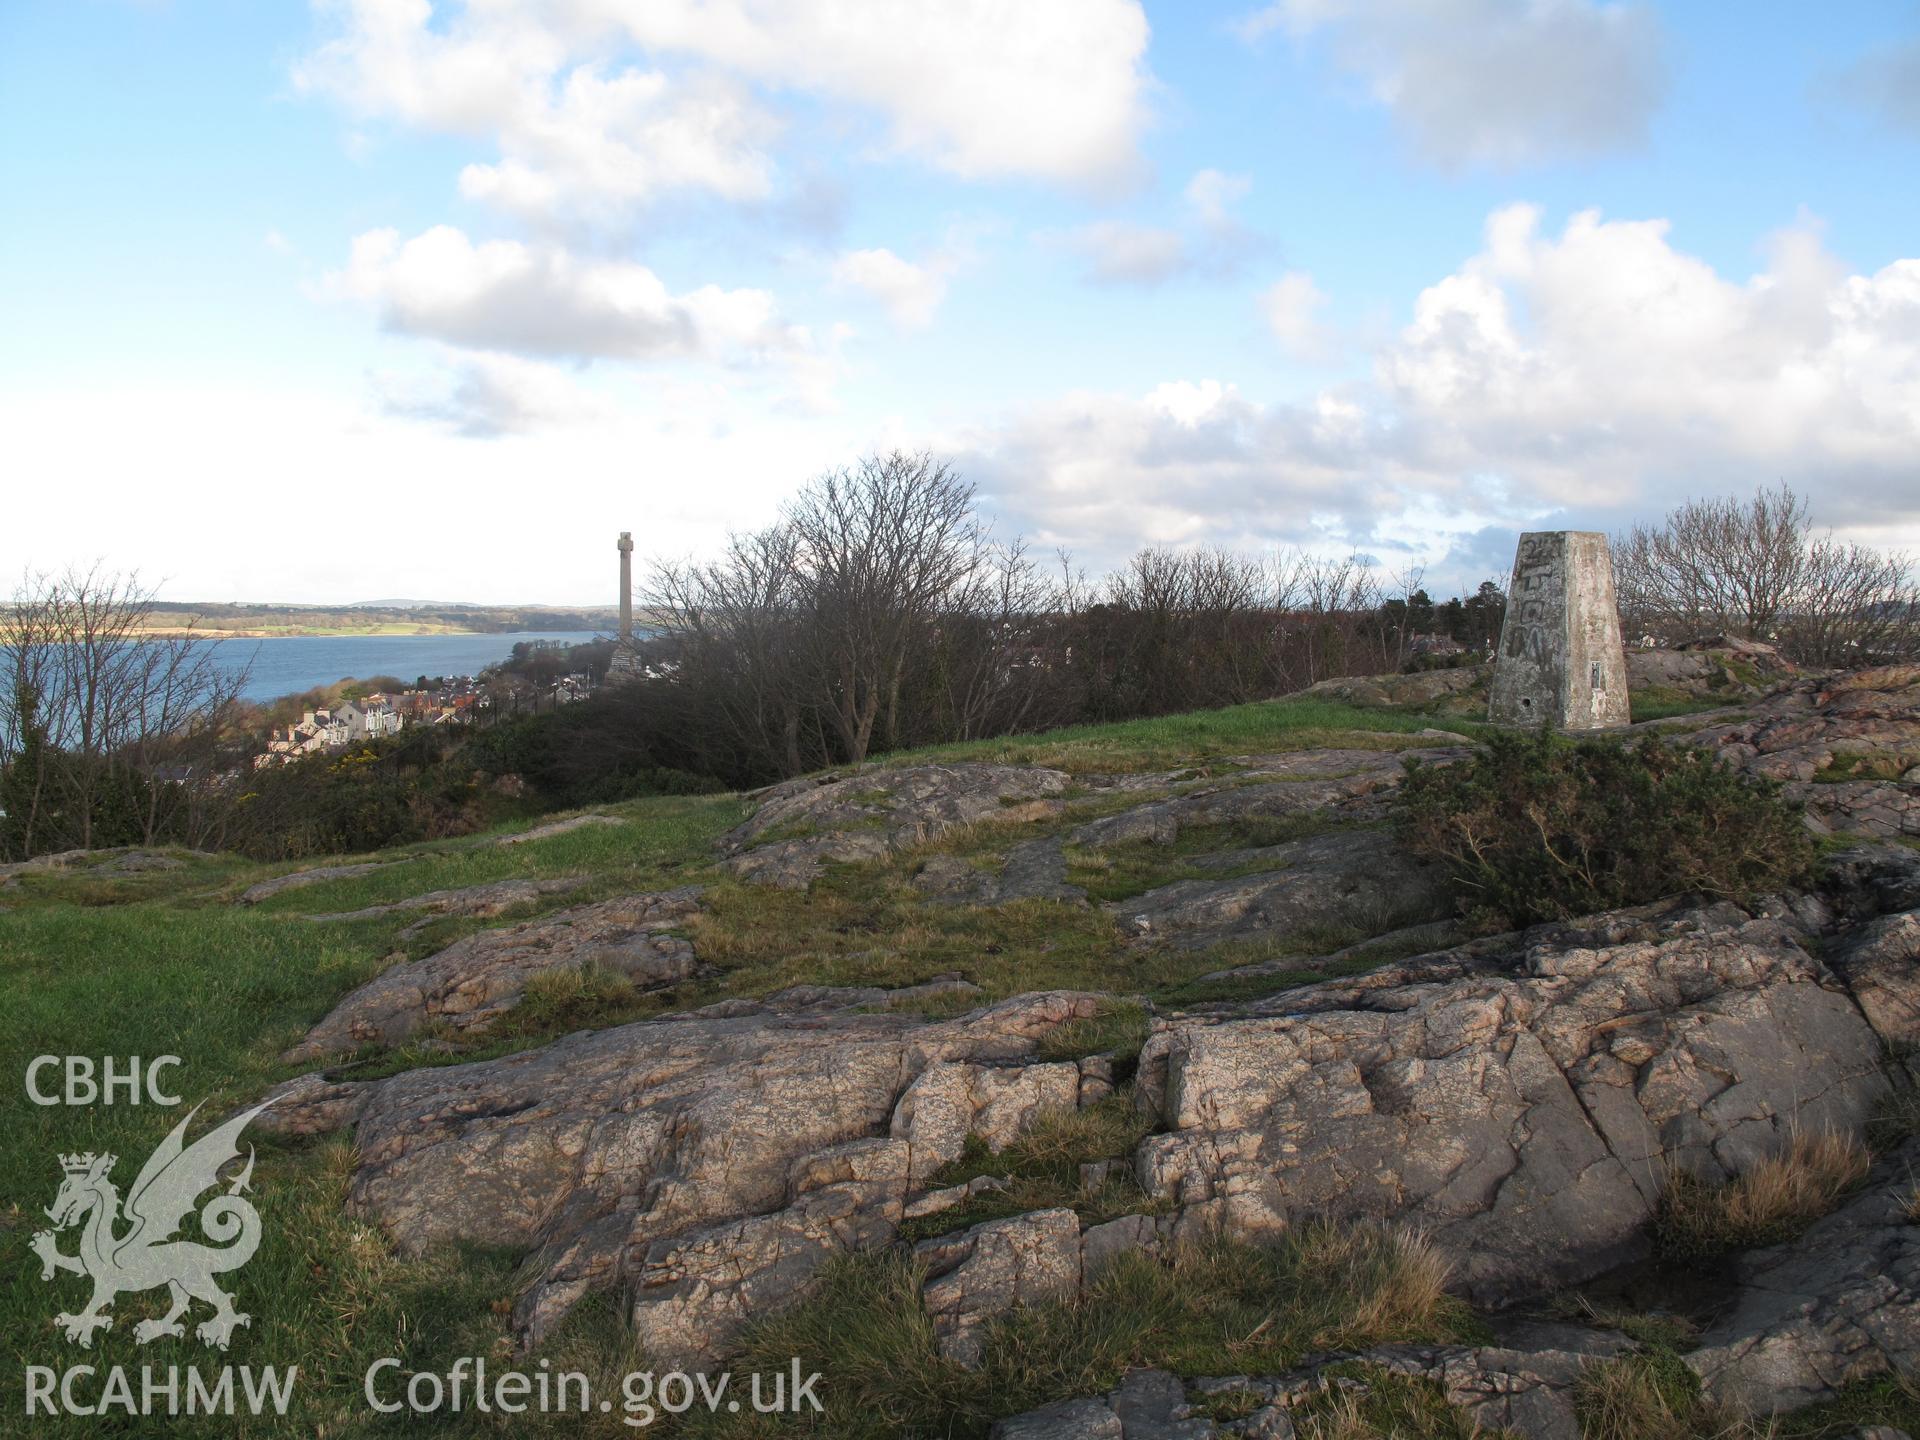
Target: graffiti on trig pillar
<point x="1531" y="631"/>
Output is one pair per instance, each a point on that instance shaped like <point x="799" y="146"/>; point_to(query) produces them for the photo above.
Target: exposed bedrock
<point x="1837" y="1304"/>
<point x="1521" y="1099"/>
<point x="477" y="979"/>
<point x="804" y="824"/>
<point x="472" y="901"/>
<point x="1330" y="784"/>
<point x="708" y="1164"/>
<point x="1846" y="746"/>
<point x="1520" y="1107"/>
<point x="1348" y="877"/>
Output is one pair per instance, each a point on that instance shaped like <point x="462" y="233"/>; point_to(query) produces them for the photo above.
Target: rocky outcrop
<point x="1880" y="961"/>
<point x="1146" y="1405"/>
<point x="553" y="828"/>
<point x="1461" y="690"/>
<point x="706" y="1164"/>
<point x="1717" y="667"/>
<point x="319" y="874"/>
<point x="1863" y="881"/>
<point x="800" y="999"/>
<point x="1335" y="785"/>
<point x="1847" y="747"/>
<point x="947" y="1103"/>
<point x="475" y="980"/>
<point x="471" y="901"/>
<point x="805" y="824"/>
<point x="1838" y="1304"/>
<point x="1345" y="877"/>
<point x="1524" y="1387"/>
<point x="119" y="860"/>
<point x="1035" y="870"/>
<point x="1520" y="1107"/>
<point x="982" y="1273"/>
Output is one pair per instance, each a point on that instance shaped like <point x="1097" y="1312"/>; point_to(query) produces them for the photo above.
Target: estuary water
<point x="288" y="664"/>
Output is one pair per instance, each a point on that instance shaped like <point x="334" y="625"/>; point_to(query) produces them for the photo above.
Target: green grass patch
<point x="1170" y="741"/>
<point x="1665" y="703"/>
<point x="1120" y="1029"/>
<point x="1845" y="767"/>
<point x="1042" y="1170"/>
<point x="1215" y="1310"/>
<point x="1133" y="867"/>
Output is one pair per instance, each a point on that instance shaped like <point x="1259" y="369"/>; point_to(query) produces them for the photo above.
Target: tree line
<point x="877" y="613"/>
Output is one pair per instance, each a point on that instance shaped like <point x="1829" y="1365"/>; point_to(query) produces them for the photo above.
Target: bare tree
<point x="880" y="548"/>
<point x="1756" y="568"/>
<point x="1326" y="603"/>
<point x="732" y="628"/>
<point x="104" y="724"/>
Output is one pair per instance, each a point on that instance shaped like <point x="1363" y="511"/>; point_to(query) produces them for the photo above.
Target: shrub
<point x="1534" y="828"/>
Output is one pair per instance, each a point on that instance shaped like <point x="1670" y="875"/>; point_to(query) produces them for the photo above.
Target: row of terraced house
<point x="372" y="718"/>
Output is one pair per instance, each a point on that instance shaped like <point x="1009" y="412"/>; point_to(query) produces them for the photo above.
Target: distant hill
<point x="374" y="617"/>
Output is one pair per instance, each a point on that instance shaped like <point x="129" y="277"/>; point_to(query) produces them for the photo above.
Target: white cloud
<point x="1118" y="252"/>
<point x="1595" y="374"/>
<point x="1494" y="82"/>
<point x="484" y="395"/>
<point x="981" y="87"/>
<point x="600" y="105"/>
<point x="1211" y="240"/>
<point x="1887" y="84"/>
<point x="540" y="300"/>
<point x="1292" y="306"/>
<point x="1604" y="361"/>
<point x="911" y="293"/>
<point x="1213" y="194"/>
<point x="575" y="134"/>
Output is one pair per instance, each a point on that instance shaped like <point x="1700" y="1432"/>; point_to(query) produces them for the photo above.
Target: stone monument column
<point x="1560" y="661"/>
<point x="626" y="589"/>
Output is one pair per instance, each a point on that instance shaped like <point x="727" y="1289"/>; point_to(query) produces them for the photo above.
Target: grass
<point x="1042" y="1170"/>
<point x="1845" y="767"/>
<point x="1661" y="703"/>
<point x="1772" y="1202"/>
<point x="1133" y="867"/>
<point x="1215" y="1310"/>
<point x="170" y="967"/>
<point x="1171" y="741"/>
<point x="1119" y="1029"/>
<point x="1653" y="1395"/>
<point x="165" y="963"/>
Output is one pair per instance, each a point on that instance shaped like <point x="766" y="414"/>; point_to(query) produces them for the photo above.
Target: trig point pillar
<point x="1560" y="661"/>
<point x="626" y="588"/>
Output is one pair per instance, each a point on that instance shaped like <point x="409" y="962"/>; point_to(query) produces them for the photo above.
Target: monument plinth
<point x="1560" y="661"/>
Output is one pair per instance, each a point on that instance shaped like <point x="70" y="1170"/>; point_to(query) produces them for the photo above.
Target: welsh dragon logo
<point x="146" y="1255"/>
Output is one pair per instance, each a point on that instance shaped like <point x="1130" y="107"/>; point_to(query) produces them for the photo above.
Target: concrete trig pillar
<point x="1560" y="661"/>
<point x="626" y="588"/>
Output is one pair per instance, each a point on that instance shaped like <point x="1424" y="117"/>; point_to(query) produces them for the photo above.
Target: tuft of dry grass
<point x="1212" y="1309"/>
<point x="1407" y="1271"/>
<point x="1772" y="1202"/>
<point x="1654" y="1396"/>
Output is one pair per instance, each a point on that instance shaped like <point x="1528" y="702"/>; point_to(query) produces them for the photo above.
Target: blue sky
<point x="378" y="296"/>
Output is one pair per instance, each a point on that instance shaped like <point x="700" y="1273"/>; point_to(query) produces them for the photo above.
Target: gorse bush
<point x="1534" y="828"/>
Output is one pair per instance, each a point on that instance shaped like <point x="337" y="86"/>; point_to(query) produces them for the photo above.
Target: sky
<point x="431" y="298"/>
